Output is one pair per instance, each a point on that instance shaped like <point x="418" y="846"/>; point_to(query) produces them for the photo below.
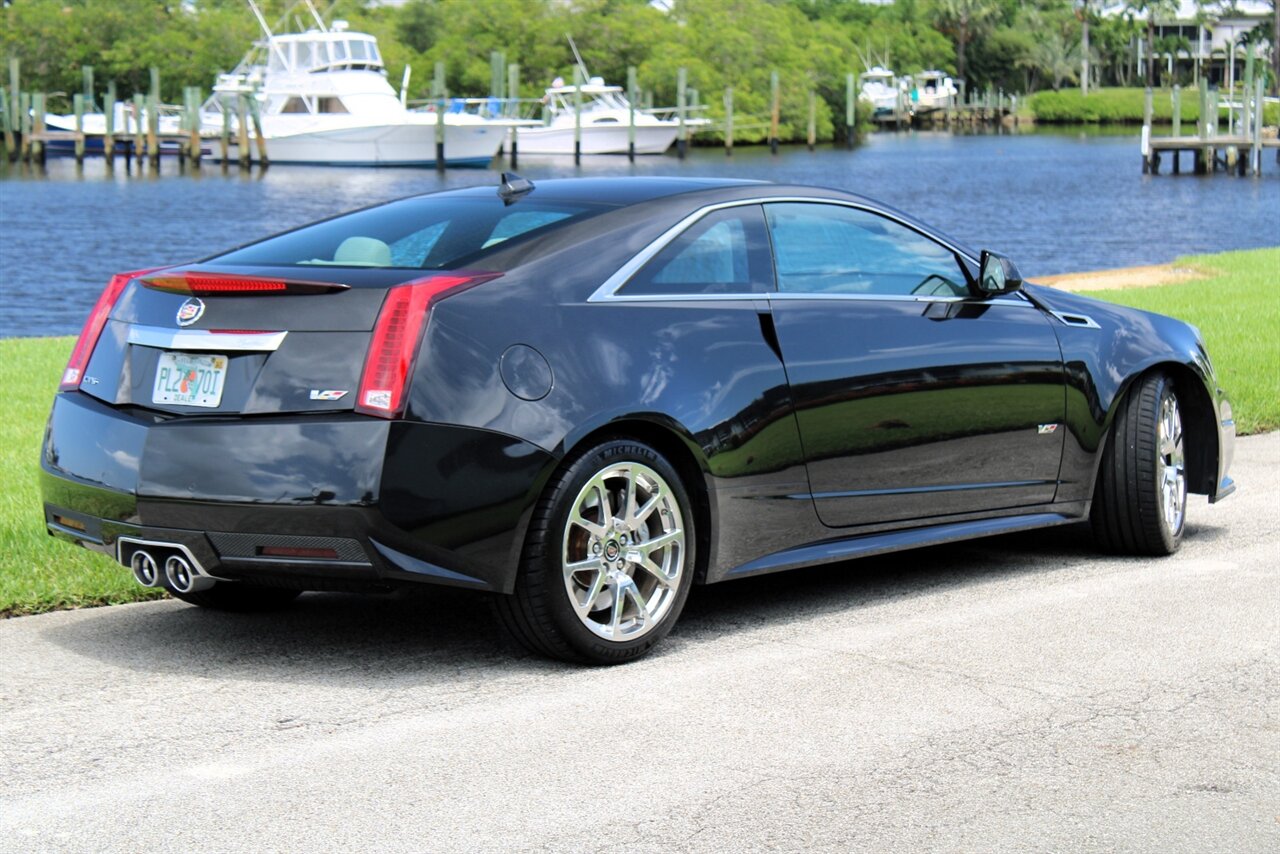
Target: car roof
<point x="619" y="191"/>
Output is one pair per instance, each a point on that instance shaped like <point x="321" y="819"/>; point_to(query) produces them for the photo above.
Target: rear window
<point x="428" y="233"/>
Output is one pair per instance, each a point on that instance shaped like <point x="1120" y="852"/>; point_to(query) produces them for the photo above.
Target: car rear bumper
<point x="313" y="501"/>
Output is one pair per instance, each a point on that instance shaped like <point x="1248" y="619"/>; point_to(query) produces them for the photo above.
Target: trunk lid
<point x="209" y="340"/>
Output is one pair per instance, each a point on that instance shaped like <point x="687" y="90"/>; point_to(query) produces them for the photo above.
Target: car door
<point x="914" y="399"/>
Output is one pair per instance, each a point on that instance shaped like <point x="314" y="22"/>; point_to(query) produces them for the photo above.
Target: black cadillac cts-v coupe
<point x="586" y="396"/>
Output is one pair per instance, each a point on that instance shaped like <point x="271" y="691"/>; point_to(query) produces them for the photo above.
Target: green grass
<point x="38" y="572"/>
<point x="1120" y="105"/>
<point x="1237" y="309"/>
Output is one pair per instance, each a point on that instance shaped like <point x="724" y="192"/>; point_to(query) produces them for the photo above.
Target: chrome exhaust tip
<point x="183" y="577"/>
<point x="145" y="570"/>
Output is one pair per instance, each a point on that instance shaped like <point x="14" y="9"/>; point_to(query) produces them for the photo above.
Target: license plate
<point x="187" y="379"/>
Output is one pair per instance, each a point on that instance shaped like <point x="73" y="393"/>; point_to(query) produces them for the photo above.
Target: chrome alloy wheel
<point x="1171" y="472"/>
<point x="624" y="551"/>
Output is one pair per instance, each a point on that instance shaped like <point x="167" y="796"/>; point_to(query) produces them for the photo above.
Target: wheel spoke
<point x="593" y="593"/>
<point x="595" y="529"/>
<point x="629" y="507"/>
<point x="615" y="620"/>
<point x="606" y="513"/>
<point x="661" y="541"/>
<point x="646" y="563"/>
<point x="646" y="510"/>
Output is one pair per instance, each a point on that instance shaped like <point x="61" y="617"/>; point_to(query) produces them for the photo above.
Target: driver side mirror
<point x="999" y="275"/>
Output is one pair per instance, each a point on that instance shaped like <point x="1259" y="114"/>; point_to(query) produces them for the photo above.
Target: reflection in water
<point x="1056" y="201"/>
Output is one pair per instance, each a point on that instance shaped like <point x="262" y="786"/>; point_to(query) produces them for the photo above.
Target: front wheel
<point x="609" y="558"/>
<point x="1140" y="502"/>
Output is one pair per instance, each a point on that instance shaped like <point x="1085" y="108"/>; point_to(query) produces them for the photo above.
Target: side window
<point x="725" y="252"/>
<point x="832" y="249"/>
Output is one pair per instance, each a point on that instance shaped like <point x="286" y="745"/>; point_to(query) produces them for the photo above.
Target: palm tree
<point x="964" y="20"/>
<point x="1166" y="9"/>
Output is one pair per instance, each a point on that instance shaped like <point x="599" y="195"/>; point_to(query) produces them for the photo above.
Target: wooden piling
<point x="728" y="121"/>
<point x="38" y="108"/>
<point x="77" y="106"/>
<point x="682" y="94"/>
<point x="775" y="111"/>
<point x="138" y="145"/>
<point x="513" y="109"/>
<point x="1146" y="131"/>
<point x="1256" y="148"/>
<point x="242" y="130"/>
<point x="578" y="81"/>
<point x="24" y="119"/>
<point x="439" y="93"/>
<point x="1204" y="155"/>
<point x="632" y="94"/>
<point x="850" y="110"/>
<point x="13" y="108"/>
<point x="197" y="144"/>
<point x="255" y="114"/>
<point x="812" y="135"/>
<point x="6" y="123"/>
<point x="109" y="115"/>
<point x="224" y="144"/>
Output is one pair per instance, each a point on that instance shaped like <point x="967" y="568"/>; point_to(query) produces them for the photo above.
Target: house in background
<point x="1198" y="41"/>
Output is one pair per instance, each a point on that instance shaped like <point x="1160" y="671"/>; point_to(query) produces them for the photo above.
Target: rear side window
<point x="426" y="233"/>
<point x="724" y="252"/>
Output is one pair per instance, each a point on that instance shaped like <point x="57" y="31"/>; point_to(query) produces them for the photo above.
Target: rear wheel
<point x="1140" y="502"/>
<point x="608" y="561"/>
<point x="238" y="596"/>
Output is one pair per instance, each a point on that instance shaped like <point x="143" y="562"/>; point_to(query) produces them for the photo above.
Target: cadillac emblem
<point x="190" y="311"/>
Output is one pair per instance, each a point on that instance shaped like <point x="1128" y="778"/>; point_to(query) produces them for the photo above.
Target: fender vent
<point x="1072" y="319"/>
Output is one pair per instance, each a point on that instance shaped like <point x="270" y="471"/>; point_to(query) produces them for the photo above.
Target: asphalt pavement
<point x="1013" y="694"/>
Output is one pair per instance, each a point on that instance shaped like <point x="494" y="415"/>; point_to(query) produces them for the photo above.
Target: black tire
<point x="540" y="614"/>
<point x="1128" y="512"/>
<point x="238" y="596"/>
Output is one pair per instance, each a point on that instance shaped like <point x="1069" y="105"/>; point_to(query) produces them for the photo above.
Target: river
<point x="1056" y="201"/>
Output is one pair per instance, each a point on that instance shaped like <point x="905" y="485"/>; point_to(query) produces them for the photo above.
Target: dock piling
<point x="1147" y="159"/>
<point x="578" y="82"/>
<point x="38" y="105"/>
<point x="242" y="129"/>
<point x="438" y="94"/>
<point x="728" y="121"/>
<point x="513" y="109"/>
<point x="850" y="109"/>
<point x="24" y="118"/>
<point x="224" y="144"/>
<point x="682" y="95"/>
<point x="109" y="115"/>
<point x="775" y="111"/>
<point x="632" y="94"/>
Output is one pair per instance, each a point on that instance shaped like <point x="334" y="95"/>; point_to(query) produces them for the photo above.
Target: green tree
<point x="964" y="20"/>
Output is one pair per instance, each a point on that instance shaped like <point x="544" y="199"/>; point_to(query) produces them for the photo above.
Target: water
<point x="1056" y="202"/>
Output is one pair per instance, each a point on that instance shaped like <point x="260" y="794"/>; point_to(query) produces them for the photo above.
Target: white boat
<point x="931" y="91"/>
<point x="323" y="98"/>
<point x="882" y="88"/>
<point x="606" y="114"/>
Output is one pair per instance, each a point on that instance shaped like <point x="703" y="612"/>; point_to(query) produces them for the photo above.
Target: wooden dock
<point x="1238" y="150"/>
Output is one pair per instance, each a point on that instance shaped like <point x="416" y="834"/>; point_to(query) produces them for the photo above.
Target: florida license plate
<point x="188" y="379"/>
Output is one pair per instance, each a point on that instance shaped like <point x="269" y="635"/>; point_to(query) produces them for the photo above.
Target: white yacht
<point x="606" y="114"/>
<point x="881" y="87"/>
<point x="323" y="98"/>
<point x="932" y="90"/>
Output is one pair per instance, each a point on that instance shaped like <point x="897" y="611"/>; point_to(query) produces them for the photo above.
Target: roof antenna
<point x="513" y="187"/>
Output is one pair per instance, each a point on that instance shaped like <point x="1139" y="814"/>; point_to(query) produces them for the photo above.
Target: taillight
<point x="93" y="327"/>
<point x="397" y="335"/>
<point x="217" y="284"/>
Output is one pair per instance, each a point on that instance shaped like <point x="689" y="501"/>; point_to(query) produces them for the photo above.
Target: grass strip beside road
<point x="1235" y="305"/>
<point x="38" y="572"/>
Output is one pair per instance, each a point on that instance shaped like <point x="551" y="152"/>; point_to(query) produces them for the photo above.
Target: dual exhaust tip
<point x="180" y="572"/>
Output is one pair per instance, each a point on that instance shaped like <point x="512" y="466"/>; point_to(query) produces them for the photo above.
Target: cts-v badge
<point x="1047" y="428"/>
<point x="190" y="311"/>
<point x="328" y="394"/>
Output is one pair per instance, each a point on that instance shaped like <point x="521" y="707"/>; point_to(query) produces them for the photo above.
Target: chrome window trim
<point x="200" y="339"/>
<point x="608" y="292"/>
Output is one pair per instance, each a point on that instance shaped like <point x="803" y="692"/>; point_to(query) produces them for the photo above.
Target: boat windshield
<point x="323" y="52"/>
